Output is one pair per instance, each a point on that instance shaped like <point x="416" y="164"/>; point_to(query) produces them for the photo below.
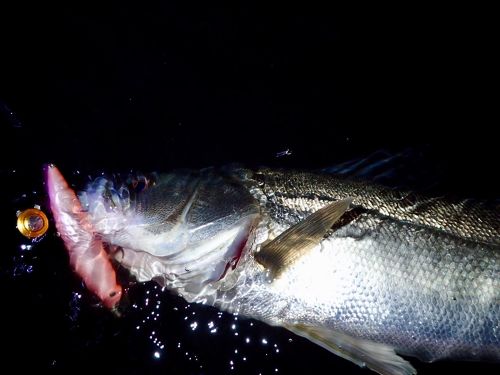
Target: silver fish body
<point x="398" y="272"/>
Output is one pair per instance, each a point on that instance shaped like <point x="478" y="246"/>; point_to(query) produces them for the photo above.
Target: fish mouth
<point x="86" y="250"/>
<point x="188" y="254"/>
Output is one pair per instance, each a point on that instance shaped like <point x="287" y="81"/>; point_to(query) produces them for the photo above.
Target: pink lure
<point x="86" y="251"/>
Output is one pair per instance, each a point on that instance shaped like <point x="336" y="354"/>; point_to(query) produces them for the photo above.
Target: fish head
<point x="185" y="229"/>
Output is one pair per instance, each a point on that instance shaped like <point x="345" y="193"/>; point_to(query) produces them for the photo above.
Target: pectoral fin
<point x="290" y="245"/>
<point x="378" y="357"/>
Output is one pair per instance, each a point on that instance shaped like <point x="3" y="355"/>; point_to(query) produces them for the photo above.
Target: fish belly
<point x="424" y="293"/>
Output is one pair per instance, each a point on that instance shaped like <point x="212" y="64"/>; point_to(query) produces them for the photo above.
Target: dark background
<point x="171" y="84"/>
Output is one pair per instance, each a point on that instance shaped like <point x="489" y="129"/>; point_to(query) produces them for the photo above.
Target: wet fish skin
<point x="421" y="276"/>
<point x="462" y="217"/>
<point x="397" y="272"/>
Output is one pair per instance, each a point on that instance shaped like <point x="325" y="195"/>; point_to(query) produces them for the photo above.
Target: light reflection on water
<point x="166" y="329"/>
<point x="201" y="324"/>
<point x="171" y="329"/>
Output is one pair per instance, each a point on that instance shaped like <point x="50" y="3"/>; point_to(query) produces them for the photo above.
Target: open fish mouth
<point x="178" y="231"/>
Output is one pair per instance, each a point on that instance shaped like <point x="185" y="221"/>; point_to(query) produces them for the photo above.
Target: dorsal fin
<point x="290" y="245"/>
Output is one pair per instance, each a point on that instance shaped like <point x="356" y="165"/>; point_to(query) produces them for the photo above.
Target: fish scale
<point x="407" y="291"/>
<point x="417" y="285"/>
<point x="464" y="218"/>
<point x="364" y="271"/>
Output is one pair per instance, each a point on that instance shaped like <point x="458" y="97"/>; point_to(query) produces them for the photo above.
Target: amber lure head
<point x="32" y="223"/>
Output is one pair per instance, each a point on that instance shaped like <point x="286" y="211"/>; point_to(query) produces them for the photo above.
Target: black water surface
<point x="165" y="85"/>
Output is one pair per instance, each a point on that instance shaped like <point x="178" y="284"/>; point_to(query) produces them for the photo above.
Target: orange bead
<point x="32" y="223"/>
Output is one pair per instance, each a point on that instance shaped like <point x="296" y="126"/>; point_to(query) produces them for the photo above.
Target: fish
<point x="370" y="273"/>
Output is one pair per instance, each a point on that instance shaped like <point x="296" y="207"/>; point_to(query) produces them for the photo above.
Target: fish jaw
<point x="85" y="249"/>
